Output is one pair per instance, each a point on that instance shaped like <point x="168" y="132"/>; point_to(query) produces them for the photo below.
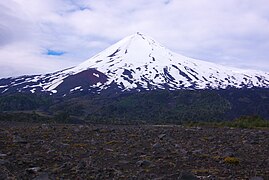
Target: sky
<point x="42" y="36"/>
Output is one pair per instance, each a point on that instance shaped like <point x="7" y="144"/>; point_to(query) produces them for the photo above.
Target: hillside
<point x="153" y="107"/>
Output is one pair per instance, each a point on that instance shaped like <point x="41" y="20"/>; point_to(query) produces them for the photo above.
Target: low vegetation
<point x="231" y="160"/>
<point x="148" y="107"/>
<point x="241" y="122"/>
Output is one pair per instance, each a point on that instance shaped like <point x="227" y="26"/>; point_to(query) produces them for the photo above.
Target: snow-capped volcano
<point x="137" y="62"/>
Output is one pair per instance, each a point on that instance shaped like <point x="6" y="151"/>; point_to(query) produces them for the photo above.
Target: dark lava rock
<point x="42" y="176"/>
<point x="3" y="175"/>
<point x="256" y="178"/>
<point x="156" y="145"/>
<point x="2" y="155"/>
<point x="187" y="176"/>
<point x="161" y="136"/>
<point x="229" y="153"/>
<point x="18" y="139"/>
<point x="33" y="170"/>
<point x="143" y="163"/>
<point x="124" y="162"/>
<point x="3" y="162"/>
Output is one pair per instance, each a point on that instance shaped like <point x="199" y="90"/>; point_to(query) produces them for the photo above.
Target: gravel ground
<point x="40" y="152"/>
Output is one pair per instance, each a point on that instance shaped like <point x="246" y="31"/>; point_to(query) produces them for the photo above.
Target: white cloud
<point x="233" y="32"/>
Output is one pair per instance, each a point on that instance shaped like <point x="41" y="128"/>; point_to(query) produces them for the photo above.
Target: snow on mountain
<point x="137" y="62"/>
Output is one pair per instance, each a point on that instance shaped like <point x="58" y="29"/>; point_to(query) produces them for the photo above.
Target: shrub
<point x="231" y="160"/>
<point x="250" y="122"/>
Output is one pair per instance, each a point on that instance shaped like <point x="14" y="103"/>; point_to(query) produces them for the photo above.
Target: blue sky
<point x="39" y="36"/>
<point x="55" y="53"/>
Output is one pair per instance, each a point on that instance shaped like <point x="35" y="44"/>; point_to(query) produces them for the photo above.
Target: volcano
<point x="136" y="63"/>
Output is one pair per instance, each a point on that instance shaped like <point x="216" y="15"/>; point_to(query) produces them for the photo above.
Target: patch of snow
<point x="53" y="91"/>
<point x="75" y="88"/>
<point x="33" y="90"/>
<point x="96" y="75"/>
<point x="53" y="85"/>
<point x="5" y="90"/>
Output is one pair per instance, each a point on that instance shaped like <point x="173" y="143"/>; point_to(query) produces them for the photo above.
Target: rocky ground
<point x="36" y="151"/>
